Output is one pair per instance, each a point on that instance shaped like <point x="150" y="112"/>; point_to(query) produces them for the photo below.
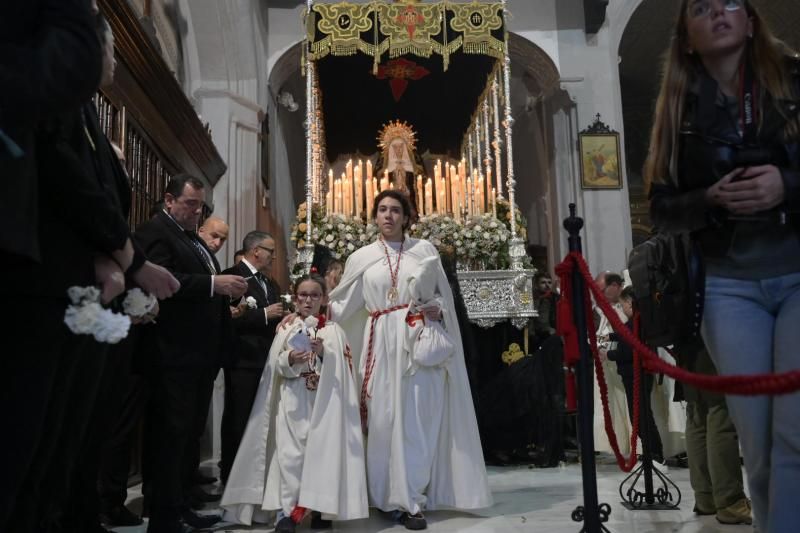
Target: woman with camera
<point x="724" y="170"/>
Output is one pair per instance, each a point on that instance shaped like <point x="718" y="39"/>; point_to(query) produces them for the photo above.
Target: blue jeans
<point x="753" y="327"/>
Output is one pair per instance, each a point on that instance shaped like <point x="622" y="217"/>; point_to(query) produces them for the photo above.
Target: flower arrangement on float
<point x="480" y="242"/>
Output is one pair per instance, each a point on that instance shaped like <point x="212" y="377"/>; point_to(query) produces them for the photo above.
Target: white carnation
<point x="251" y="302"/>
<point x="311" y="321"/>
<point x="81" y="319"/>
<point x="91" y="319"/>
<point x="77" y="294"/>
<point x="137" y="303"/>
<point x="112" y="327"/>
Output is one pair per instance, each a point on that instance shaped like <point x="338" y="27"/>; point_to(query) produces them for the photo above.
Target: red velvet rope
<point x="370" y="363"/>
<point x="748" y="385"/>
<point x="745" y="385"/>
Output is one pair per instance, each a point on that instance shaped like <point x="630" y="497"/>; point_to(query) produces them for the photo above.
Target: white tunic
<point x="423" y="449"/>
<point x="292" y="422"/>
<point x="301" y="447"/>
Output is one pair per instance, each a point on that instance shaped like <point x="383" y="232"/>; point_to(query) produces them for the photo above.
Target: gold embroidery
<point x="376" y="28"/>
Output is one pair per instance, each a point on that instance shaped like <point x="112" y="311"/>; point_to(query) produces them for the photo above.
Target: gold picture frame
<point x="601" y="161"/>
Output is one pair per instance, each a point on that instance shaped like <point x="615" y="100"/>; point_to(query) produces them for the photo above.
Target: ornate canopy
<point x="423" y="63"/>
<point x="378" y="28"/>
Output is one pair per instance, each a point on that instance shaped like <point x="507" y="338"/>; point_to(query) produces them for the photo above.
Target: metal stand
<point x="661" y="499"/>
<point x="592" y="514"/>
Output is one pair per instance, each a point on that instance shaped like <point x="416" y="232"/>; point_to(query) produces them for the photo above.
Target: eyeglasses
<point x="307" y="296"/>
<point x="702" y="8"/>
<point x="270" y="250"/>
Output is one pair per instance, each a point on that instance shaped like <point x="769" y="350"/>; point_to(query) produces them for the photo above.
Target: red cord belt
<point x="370" y="364"/>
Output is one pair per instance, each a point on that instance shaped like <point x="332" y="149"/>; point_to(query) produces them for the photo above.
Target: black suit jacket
<point x="254" y="333"/>
<point x="49" y="64"/>
<point x="193" y="328"/>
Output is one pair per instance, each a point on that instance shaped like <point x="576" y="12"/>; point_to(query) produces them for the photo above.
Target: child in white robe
<point x="303" y="448"/>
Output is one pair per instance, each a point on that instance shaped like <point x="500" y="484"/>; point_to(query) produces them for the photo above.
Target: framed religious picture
<point x="598" y="146"/>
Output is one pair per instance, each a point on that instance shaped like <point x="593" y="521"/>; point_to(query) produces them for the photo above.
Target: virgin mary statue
<point x="398" y="158"/>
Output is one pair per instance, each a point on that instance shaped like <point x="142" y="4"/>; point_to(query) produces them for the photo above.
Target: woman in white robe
<point x="303" y="448"/>
<point x="423" y="449"/>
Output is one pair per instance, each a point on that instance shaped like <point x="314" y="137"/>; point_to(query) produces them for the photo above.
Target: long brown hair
<point x="766" y="53"/>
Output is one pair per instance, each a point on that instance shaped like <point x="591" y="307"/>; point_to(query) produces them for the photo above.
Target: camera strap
<point x="748" y="110"/>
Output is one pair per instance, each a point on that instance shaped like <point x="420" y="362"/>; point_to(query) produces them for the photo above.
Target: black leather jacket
<point x="679" y="206"/>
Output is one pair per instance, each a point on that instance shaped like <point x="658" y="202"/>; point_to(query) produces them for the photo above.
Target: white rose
<point x="477" y="227"/>
<point x="329" y="238"/>
<point x="311" y="322"/>
<point x="487" y="236"/>
<point x="251" y="302"/>
<point x="350" y="247"/>
<point x="349" y="236"/>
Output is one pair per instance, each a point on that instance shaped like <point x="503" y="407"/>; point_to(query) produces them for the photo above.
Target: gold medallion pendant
<point x="392" y="294"/>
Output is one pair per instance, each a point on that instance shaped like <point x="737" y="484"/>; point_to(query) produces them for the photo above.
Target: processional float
<point x="385" y="81"/>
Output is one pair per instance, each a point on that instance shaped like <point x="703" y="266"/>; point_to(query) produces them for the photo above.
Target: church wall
<point x="589" y="75"/>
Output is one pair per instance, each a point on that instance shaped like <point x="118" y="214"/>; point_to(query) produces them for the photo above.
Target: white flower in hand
<point x="251" y="302"/>
<point x="138" y="304"/>
<point x="311" y="322"/>
<point x="79" y="294"/>
<point x="87" y="317"/>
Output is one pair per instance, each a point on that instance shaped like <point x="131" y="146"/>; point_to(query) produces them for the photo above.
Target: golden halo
<point x="397" y="130"/>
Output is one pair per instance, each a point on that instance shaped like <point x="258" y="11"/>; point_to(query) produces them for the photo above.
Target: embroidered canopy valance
<point x="396" y="29"/>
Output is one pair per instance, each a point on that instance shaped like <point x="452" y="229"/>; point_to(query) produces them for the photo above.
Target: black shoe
<point x="285" y="525"/>
<point x="318" y="523"/>
<point x="119" y="516"/>
<point x="196" y="493"/>
<point x="198" y="521"/>
<point x="202" y="479"/>
<point x="414" y="522"/>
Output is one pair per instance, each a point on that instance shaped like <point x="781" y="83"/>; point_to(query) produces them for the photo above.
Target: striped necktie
<point x="203" y="252"/>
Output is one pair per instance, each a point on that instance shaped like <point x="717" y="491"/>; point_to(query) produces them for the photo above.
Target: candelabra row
<point x="451" y="190"/>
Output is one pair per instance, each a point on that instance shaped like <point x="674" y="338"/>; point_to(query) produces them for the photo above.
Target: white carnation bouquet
<point x="85" y="316"/>
<point x="343" y="235"/>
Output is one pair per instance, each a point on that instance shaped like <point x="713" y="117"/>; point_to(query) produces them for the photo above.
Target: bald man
<point x="214" y="233"/>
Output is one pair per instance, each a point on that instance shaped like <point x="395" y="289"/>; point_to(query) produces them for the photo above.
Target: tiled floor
<point x="539" y="500"/>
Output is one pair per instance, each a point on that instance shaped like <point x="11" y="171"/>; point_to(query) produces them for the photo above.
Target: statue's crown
<point x="397" y="129"/>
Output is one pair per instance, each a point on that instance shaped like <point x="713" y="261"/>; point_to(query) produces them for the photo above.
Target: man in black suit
<point x="62" y="230"/>
<point x="255" y="328"/>
<point x="186" y="343"/>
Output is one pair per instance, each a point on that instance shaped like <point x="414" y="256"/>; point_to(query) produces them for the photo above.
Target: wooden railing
<point x="146" y="171"/>
<point x="147" y="115"/>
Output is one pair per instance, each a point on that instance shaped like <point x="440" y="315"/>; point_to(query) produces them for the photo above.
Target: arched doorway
<point x="534" y="84"/>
